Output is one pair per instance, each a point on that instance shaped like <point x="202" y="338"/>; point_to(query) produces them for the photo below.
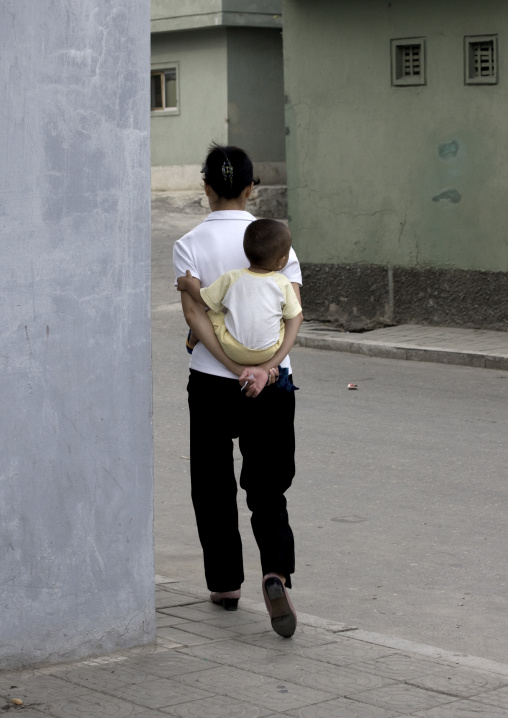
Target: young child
<point x="253" y="310"/>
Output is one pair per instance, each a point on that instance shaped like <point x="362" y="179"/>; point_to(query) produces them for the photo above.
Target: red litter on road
<point x="352" y="386"/>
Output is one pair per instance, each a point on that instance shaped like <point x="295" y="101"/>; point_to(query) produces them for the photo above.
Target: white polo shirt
<point x="209" y="250"/>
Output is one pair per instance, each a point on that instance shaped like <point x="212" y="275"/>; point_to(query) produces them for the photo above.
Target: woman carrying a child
<point x="228" y="399"/>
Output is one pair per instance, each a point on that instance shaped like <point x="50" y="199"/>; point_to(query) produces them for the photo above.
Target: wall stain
<point x="452" y="195"/>
<point x="448" y="149"/>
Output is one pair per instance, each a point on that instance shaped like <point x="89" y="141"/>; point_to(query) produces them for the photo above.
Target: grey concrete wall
<point x="202" y="56"/>
<point x="76" y="536"/>
<point x="256" y="92"/>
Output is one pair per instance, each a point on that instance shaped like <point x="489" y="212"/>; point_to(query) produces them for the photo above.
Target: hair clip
<point x="227" y="171"/>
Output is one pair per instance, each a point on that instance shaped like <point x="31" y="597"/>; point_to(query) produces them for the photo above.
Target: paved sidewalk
<point x="212" y="663"/>
<point x="468" y="347"/>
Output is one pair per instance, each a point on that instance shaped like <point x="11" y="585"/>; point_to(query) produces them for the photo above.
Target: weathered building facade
<point x="217" y="74"/>
<point x="397" y="159"/>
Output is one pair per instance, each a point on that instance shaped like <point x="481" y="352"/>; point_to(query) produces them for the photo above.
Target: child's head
<point x="266" y="244"/>
<point x="228" y="170"/>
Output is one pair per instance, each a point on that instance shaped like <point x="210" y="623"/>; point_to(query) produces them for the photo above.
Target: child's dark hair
<point x="265" y="241"/>
<point x="228" y="170"/>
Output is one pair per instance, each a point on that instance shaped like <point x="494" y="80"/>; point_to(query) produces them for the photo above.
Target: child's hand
<point x="182" y="282"/>
<point x="273" y="375"/>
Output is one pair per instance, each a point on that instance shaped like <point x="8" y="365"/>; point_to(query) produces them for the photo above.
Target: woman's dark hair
<point x="265" y="241"/>
<point x="228" y="170"/>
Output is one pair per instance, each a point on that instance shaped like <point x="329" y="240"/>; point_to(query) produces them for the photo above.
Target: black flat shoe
<point x="280" y="609"/>
<point x="227" y="599"/>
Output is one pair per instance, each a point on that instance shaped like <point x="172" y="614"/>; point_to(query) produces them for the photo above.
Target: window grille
<point x="411" y="60"/>
<point x="480" y="59"/>
<point x="408" y="61"/>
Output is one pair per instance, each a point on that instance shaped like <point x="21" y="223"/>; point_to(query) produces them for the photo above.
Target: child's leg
<point x="236" y="351"/>
<point x="191" y="341"/>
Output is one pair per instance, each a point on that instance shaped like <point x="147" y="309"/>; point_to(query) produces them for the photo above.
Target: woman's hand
<point x="254" y="379"/>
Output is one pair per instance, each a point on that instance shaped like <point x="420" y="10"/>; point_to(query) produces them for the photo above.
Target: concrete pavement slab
<point x="316" y="674"/>
<point x="259" y="689"/>
<point x="319" y="672"/>
<point x="342" y="708"/>
<point x="401" y="666"/>
<point x="497" y="698"/>
<point x="164" y="620"/>
<point x="162" y="692"/>
<point x="203" y="630"/>
<point x="402" y="698"/>
<point x="460" y="682"/>
<point x="345" y="653"/>
<point x="217" y="707"/>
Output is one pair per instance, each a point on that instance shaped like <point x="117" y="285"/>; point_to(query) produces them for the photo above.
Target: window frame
<point x="469" y="42"/>
<point x="395" y="50"/>
<point x="161" y="69"/>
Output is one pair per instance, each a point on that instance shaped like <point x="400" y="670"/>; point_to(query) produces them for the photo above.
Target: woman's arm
<point x="291" y="329"/>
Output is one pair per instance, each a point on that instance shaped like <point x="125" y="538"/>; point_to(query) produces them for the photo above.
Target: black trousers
<point x="219" y="412"/>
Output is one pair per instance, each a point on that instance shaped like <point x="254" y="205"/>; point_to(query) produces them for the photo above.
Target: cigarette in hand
<point x="251" y="376"/>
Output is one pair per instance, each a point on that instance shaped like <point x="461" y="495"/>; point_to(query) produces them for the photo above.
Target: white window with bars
<point x="408" y="61"/>
<point x="480" y="60"/>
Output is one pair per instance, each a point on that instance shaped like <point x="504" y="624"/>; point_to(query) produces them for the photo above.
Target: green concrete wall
<point x="256" y="92"/>
<point x="368" y="163"/>
<point x="202" y="56"/>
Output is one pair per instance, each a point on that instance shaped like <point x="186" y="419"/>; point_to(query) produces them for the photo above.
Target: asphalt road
<point x="399" y="503"/>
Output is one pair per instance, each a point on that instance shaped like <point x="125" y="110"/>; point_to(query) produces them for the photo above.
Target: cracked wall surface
<point x="407" y="177"/>
<point x="76" y="572"/>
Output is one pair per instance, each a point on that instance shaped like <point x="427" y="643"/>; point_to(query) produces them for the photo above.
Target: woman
<point x="227" y="400"/>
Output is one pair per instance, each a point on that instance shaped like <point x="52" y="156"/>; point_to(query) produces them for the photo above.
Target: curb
<point x="387" y="350"/>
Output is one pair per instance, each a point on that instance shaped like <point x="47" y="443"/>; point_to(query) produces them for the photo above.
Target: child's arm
<point x="195" y="316"/>
<point x="192" y="286"/>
